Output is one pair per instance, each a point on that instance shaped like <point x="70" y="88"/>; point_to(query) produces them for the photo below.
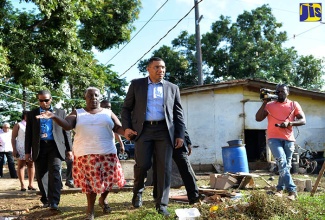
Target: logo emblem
<point x="310" y="12"/>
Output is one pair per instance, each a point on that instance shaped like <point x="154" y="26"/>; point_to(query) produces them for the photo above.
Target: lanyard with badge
<point x="44" y="127"/>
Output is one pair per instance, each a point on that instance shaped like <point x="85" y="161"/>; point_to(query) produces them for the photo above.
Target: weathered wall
<point x="216" y="116"/>
<point x="212" y="119"/>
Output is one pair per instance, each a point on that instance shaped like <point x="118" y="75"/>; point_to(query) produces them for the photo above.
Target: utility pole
<point x="198" y="43"/>
<point x="24" y="99"/>
<point x="108" y="93"/>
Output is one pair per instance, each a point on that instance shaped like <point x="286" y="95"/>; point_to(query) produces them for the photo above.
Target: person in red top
<point x="282" y="114"/>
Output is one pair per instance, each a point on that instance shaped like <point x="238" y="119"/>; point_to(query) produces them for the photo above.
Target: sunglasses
<point x="44" y="100"/>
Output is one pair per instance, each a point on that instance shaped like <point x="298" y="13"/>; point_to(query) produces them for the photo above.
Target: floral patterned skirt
<point x="96" y="173"/>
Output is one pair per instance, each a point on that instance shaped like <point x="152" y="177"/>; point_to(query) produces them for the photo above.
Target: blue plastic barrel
<point x="235" y="159"/>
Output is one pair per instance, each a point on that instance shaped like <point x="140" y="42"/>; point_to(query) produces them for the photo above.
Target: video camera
<point x="268" y="94"/>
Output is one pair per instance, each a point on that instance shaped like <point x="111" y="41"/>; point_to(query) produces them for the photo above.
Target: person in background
<point x="18" y="144"/>
<point x="4" y="156"/>
<point x="6" y="150"/>
<point x="152" y="115"/>
<point x="96" y="167"/>
<point x="106" y="104"/>
<point x="50" y="145"/>
<point x="180" y="156"/>
<point x="282" y="114"/>
<point x="68" y="176"/>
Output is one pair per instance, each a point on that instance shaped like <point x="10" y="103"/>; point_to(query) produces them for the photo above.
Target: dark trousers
<point x="185" y="169"/>
<point x="154" y="141"/>
<point x="11" y="164"/>
<point x="68" y="174"/>
<point x="47" y="170"/>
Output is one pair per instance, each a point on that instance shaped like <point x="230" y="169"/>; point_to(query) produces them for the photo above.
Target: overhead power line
<point x="161" y="38"/>
<point x="137" y="32"/>
<point x="18" y="99"/>
<point x="296" y="35"/>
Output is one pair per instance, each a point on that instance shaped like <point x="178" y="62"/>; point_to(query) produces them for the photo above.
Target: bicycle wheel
<point x="311" y="167"/>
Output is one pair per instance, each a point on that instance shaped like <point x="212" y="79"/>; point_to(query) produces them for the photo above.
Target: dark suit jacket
<point x="135" y="105"/>
<point x="62" y="138"/>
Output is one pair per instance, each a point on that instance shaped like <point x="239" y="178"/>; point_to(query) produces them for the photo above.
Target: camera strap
<point x="293" y="109"/>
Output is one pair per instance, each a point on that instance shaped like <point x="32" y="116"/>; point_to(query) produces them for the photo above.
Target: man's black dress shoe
<point x="163" y="210"/>
<point x="70" y="185"/>
<point x="45" y="205"/>
<point x="54" y="207"/>
<point x="196" y="199"/>
<point x="137" y="200"/>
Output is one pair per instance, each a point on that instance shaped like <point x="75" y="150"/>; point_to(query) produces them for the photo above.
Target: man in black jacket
<point x="47" y="144"/>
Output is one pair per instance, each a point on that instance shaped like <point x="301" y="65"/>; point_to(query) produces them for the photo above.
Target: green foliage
<point x="117" y="103"/>
<point x="309" y="72"/>
<point x="251" y="47"/>
<point x="4" y="67"/>
<point x="50" y="46"/>
<point x="10" y="97"/>
<point x="179" y="69"/>
<point x="114" y="17"/>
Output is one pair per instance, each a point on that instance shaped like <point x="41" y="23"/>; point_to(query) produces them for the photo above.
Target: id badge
<point x="44" y="135"/>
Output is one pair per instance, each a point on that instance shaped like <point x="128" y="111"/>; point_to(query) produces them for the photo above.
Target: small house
<point x="217" y="113"/>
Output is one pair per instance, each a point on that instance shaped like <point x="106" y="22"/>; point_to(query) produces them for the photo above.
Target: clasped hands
<point x="130" y="134"/>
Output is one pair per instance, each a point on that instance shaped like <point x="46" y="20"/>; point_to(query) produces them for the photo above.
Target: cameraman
<point x="282" y="114"/>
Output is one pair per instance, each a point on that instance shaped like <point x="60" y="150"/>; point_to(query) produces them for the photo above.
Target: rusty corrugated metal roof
<point x="254" y="85"/>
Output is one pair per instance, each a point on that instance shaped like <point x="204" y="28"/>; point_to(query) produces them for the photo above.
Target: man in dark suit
<point x="47" y="144"/>
<point x="152" y="115"/>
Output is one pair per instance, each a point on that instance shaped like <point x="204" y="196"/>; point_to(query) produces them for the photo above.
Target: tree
<point x="51" y="47"/>
<point x="249" y="48"/>
<point x="309" y="72"/>
<point x="244" y="49"/>
<point x="252" y="48"/>
<point x="177" y="67"/>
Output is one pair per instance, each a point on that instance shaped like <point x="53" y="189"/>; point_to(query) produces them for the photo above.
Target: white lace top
<point x="94" y="134"/>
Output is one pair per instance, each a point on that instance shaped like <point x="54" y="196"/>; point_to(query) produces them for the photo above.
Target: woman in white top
<point x="96" y="167"/>
<point x="18" y="145"/>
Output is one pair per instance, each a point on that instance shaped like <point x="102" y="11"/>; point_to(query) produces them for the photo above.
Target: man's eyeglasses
<point x="44" y="100"/>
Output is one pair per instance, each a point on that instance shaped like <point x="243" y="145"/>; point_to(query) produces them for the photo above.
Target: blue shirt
<point x="46" y="131"/>
<point x="155" y="102"/>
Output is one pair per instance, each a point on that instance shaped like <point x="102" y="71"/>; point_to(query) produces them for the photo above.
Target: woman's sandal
<point x="31" y="188"/>
<point x="104" y="206"/>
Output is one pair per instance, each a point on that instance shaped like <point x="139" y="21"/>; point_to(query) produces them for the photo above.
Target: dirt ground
<point x="14" y="202"/>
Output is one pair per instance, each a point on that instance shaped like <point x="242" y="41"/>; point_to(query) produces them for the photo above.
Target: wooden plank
<point x="321" y="173"/>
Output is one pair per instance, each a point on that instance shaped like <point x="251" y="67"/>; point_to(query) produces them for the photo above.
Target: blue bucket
<point x="235" y="159"/>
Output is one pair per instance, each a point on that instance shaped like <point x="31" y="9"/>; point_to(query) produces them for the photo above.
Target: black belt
<point x="48" y="141"/>
<point x="155" y="122"/>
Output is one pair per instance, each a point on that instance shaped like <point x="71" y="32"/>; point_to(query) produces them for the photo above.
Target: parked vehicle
<point x="129" y="150"/>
